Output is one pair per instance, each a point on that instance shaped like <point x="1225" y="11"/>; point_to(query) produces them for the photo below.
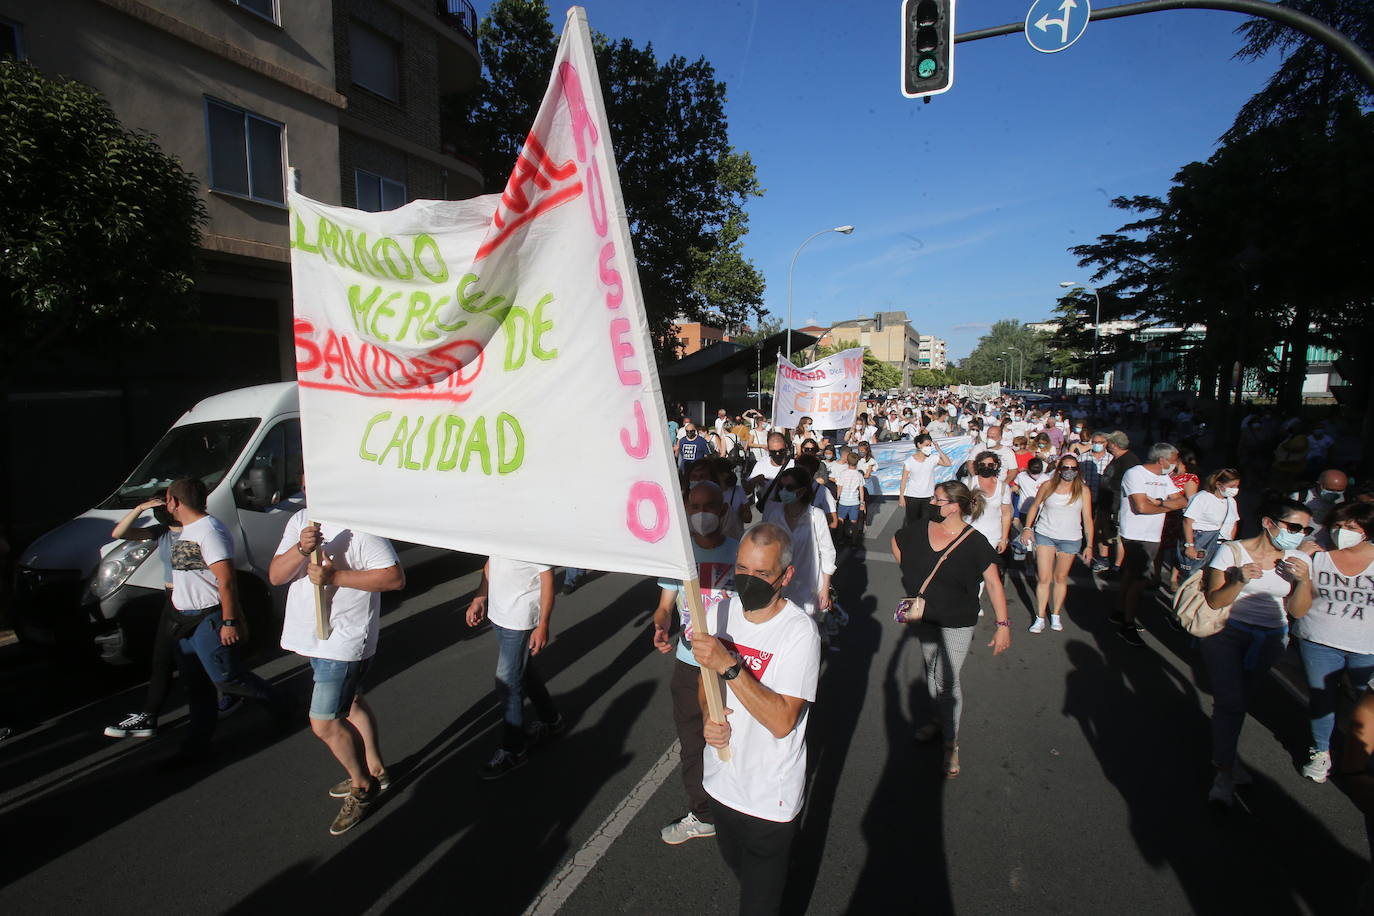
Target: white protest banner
<point x="827" y="391"/>
<point x="980" y="392"/>
<point x="478" y="374"/>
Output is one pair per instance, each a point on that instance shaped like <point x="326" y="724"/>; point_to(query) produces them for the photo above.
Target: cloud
<point x="972" y="326"/>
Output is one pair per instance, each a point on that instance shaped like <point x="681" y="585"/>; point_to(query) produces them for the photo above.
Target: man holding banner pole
<point x="767" y="650"/>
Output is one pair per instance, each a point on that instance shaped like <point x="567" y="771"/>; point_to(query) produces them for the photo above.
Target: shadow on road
<point x="1150" y="733"/>
<point x="490" y="847"/>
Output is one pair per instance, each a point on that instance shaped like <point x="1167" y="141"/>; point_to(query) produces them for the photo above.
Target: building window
<point x="267" y="9"/>
<point x="376" y="62"/>
<point x="245" y="153"/>
<point x="11" y="39"/>
<point x="378" y="193"/>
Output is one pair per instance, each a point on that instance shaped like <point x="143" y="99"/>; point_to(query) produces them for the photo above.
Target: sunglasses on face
<point x="1294" y="527"/>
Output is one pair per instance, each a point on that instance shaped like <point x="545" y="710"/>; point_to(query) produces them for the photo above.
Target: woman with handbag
<point x="1211" y="517"/>
<point x="944" y="561"/>
<point x="1257" y="584"/>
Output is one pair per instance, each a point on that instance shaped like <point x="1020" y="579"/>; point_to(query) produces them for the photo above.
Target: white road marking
<point x="562" y="885"/>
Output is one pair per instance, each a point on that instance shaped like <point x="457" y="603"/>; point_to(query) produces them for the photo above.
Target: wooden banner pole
<point x="710" y="681"/>
<point x="322" y="629"/>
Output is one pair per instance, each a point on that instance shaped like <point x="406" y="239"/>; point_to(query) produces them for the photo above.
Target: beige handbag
<point x="1194" y="614"/>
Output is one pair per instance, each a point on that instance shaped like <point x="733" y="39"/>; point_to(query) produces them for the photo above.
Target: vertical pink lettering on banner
<point x="577" y="109"/>
<point x="615" y="292"/>
<point x="596" y="200"/>
<point x="639" y="448"/>
<point x="646" y="491"/>
<point x="854" y="367"/>
<point x="623" y="350"/>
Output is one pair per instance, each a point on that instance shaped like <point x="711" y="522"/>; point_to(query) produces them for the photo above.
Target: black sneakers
<point x="1131" y="635"/>
<point x="501" y="763"/>
<point x="138" y="725"/>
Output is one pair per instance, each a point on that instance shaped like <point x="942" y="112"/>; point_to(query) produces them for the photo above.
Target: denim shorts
<point x="848" y="513"/>
<point x="1073" y="546"/>
<point x="336" y="685"/>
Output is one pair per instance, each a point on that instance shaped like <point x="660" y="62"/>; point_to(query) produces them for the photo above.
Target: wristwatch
<point x="732" y="672"/>
<point x="303" y="552"/>
<point x="229" y="622"/>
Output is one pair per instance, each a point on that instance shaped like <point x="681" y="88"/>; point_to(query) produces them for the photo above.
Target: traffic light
<point x="927" y="47"/>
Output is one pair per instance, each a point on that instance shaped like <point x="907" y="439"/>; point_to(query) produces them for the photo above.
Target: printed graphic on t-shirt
<point x="717" y="585"/>
<point x="186" y="556"/>
<point x="1344" y="596"/>
<point x="753" y="659"/>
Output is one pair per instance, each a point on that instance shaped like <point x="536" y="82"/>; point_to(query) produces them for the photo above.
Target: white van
<point x="76" y="584"/>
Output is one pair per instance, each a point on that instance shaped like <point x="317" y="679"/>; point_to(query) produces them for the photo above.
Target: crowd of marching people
<point x="1247" y="556"/>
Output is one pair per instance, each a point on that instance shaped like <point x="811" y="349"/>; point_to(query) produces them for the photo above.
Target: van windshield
<point x="204" y="450"/>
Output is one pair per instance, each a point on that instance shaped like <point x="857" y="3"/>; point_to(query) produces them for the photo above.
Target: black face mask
<point x="932" y="513"/>
<point x="985" y="471"/>
<point x="778" y="454"/>
<point x="755" y="593"/>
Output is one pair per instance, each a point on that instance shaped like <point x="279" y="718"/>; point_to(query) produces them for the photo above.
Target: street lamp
<point x="1020" y="372"/>
<point x="1097" y="321"/>
<point x="843" y="230"/>
<point x="1004" y="371"/>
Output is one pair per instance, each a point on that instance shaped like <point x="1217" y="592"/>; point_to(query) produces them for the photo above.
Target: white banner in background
<point x="827" y="391"/>
<point x="450" y="353"/>
<point x="980" y="392"/>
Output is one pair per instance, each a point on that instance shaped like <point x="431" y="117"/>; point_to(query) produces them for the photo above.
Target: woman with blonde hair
<point x="1060" y="521"/>
<point x="944" y="561"/>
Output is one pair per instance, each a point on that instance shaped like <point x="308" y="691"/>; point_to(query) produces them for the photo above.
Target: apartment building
<point x="693" y="336"/>
<point x="347" y="92"/>
<point x="889" y="336"/>
<point x="932" y="353"/>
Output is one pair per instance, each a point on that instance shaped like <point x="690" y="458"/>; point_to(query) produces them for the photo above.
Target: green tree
<point x="98" y="226"/>
<point x="877" y="374"/>
<point x="684" y="185"/>
<point x="982" y="368"/>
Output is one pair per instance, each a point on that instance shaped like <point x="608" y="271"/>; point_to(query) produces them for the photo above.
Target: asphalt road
<point x="1083" y="787"/>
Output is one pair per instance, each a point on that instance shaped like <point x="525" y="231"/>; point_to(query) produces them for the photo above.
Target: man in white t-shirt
<point x="767" y="650"/>
<point x="517" y="597"/>
<point x="205" y="595"/>
<point x="715" y="556"/>
<point x="356" y="568"/>
<point x="1147" y="495"/>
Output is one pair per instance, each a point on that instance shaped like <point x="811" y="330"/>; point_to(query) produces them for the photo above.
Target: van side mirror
<point x="258" y="489"/>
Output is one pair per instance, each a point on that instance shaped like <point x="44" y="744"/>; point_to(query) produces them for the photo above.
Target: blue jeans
<point x="1237" y="659"/>
<point x="570" y="575"/>
<point x="1205" y="541"/>
<point x="516" y="678"/>
<point x="1324" y="666"/>
<point x="209" y="668"/>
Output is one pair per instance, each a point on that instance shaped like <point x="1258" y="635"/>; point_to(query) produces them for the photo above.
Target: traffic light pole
<point x="1359" y="59"/>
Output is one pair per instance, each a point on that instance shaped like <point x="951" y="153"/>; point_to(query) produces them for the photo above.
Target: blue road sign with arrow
<point x="1053" y="25"/>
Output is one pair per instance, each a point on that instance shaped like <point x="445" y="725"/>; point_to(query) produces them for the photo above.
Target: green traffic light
<point x="925" y="68"/>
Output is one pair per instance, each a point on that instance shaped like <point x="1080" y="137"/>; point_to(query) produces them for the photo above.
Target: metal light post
<point x="1020" y="378"/>
<point x="843" y="230"/>
<point x="1004" y="371"/>
<point x="1097" y="321"/>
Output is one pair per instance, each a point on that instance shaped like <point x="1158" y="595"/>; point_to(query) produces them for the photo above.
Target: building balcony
<point x="459" y="62"/>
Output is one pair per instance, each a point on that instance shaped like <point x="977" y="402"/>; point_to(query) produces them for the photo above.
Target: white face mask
<point x="1230" y="492"/>
<point x="1167" y="468"/>
<point x="704" y="523"/>
<point x="1344" y="537"/>
<point x="927" y="449"/>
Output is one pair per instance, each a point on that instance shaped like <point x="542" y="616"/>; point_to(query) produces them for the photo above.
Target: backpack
<point x="1194" y="614"/>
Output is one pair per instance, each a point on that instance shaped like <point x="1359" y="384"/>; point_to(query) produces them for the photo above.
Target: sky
<point x="965" y="207"/>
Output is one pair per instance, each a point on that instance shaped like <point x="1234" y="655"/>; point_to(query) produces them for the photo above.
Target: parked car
<point x="76" y="585"/>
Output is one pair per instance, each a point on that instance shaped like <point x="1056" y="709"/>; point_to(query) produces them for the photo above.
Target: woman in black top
<point x="951" y="603"/>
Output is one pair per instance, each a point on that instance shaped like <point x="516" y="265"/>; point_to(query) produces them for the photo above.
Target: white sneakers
<point x="688" y="828"/>
<point x="1039" y="625"/>
<point x="1055" y="623"/>
<point x="1318" y="765"/>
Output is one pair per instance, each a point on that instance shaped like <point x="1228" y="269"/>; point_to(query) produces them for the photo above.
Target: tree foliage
<point x="1312" y="80"/>
<point x="877" y="374"/>
<point x="982" y="368"/>
<point x="99" y="228"/>
<point x="684" y="185"/>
